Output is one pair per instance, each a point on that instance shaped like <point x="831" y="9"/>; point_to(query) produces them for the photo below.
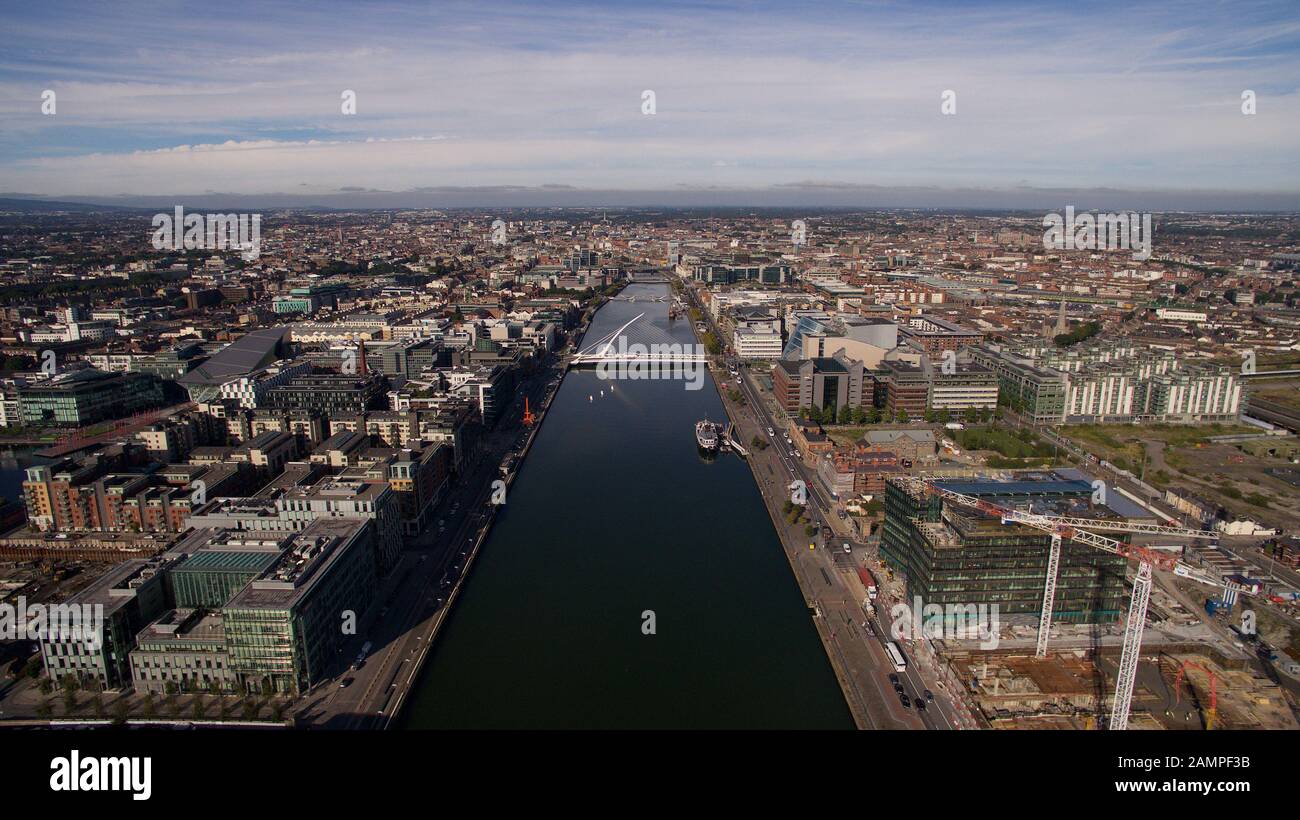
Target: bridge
<point x="646" y="344"/>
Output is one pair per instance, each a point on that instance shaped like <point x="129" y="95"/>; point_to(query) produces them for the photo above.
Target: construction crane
<point x="1071" y="529"/>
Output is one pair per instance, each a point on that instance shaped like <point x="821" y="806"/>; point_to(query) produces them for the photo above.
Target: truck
<point x="868" y="581"/>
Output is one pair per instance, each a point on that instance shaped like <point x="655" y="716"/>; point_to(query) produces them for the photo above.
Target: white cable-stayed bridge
<point x="643" y="343"/>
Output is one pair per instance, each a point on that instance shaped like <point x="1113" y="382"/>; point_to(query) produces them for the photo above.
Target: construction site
<point x="1168" y="662"/>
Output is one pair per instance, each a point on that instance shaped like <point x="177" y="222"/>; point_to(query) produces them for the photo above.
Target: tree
<point x="902" y="416"/>
<point x="846" y="414"/>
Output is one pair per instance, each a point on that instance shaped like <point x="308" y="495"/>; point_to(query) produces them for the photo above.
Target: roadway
<point x="858" y="657"/>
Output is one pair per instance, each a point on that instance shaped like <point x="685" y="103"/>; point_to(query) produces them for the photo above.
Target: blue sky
<point x="186" y="98"/>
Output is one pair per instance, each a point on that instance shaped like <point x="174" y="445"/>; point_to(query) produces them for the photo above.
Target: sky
<point x="833" y="102"/>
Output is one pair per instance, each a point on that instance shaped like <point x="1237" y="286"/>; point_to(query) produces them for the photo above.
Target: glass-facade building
<point x="951" y="554"/>
<point x="284" y="629"/>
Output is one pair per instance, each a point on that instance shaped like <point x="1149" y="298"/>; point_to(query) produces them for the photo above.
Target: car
<point x="893" y="678"/>
<point x="920" y="706"/>
<point x="848" y="549"/>
<point x="898" y="687"/>
<point x="906" y="701"/>
<point x="771" y="432"/>
<point x="928" y="695"/>
<point x="345" y="683"/>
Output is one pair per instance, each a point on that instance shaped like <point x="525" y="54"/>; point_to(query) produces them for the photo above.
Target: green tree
<point x="902" y="416"/>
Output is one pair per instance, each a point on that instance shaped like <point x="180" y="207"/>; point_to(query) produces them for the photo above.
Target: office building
<point x="952" y="554"/>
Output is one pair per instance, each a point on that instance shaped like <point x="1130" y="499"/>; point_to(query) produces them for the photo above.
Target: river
<point x="614" y="514"/>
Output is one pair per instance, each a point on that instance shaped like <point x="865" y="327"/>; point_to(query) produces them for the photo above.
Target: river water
<point x="614" y="514"/>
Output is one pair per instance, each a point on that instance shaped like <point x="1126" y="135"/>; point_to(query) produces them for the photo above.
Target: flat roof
<point x="228" y="560"/>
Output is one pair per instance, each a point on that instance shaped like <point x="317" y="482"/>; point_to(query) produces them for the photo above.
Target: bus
<point x="896" y="655"/>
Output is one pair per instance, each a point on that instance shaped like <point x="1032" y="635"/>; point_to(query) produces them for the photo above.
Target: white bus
<point x="896" y="655"/>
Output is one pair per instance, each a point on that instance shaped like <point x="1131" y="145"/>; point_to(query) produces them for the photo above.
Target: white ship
<point x="706" y="435"/>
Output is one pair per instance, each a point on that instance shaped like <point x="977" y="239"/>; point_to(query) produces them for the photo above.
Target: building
<point x="952" y="554"/>
<point x="217" y="564"/>
<point x="967" y="387"/>
<point x="242" y="357"/>
<point x="902" y="389"/>
<point x="1035" y="392"/>
<point x="909" y="446"/>
<point x="295" y="508"/>
<point x="751" y="343"/>
<point x="82" y="398"/>
<point x="284" y="629"/>
<point x="183" y="650"/>
<point x="823" y="383"/>
<point x="330" y="393"/>
<point x="933" y="336"/>
<point x="127" y="597"/>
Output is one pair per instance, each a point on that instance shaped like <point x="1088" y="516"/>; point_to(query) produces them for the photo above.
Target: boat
<point x="706" y="435"/>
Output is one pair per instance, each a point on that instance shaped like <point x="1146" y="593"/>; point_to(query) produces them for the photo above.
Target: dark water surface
<point x="615" y="513"/>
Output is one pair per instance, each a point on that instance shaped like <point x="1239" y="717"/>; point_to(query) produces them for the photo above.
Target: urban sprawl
<point x="240" y="459"/>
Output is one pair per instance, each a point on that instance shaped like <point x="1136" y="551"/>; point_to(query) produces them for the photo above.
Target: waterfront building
<point x="81" y="398"/>
<point x="835" y="382"/>
<point x="283" y="629"/>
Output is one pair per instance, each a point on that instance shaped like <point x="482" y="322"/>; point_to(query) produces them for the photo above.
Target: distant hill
<point x="51" y="205"/>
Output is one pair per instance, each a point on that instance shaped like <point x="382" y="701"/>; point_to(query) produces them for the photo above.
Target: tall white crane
<point x="1067" y="528"/>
